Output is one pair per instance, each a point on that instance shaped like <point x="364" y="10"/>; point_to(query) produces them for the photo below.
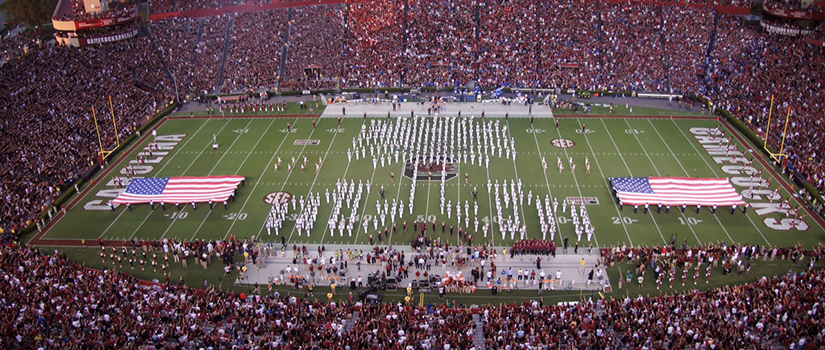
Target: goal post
<point x="780" y="156"/>
<point x="102" y="153"/>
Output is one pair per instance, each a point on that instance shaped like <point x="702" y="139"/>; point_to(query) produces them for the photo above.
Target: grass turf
<point x="616" y="146"/>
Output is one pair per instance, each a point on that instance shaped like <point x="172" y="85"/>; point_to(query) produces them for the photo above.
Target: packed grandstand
<point x="703" y="49"/>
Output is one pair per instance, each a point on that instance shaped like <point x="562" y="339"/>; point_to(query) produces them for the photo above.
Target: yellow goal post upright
<point x="102" y="152"/>
<point x="780" y="156"/>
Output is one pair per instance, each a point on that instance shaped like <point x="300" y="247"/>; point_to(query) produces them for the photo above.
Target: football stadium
<point x="412" y="174"/>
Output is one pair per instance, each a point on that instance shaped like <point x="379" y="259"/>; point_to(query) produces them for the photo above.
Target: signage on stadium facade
<point x="783" y="30"/>
<point x="772" y="10"/>
<point x="756" y="191"/>
<point x="152" y="155"/>
<point x="109" y="38"/>
<point x="105" y="22"/>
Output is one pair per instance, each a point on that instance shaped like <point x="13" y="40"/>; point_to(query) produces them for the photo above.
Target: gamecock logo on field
<point x="278" y="198"/>
<point x="430" y="168"/>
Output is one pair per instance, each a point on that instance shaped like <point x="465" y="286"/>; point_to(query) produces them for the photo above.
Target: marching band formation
<point x="433" y="149"/>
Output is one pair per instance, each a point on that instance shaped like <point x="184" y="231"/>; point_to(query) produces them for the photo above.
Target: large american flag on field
<point x="676" y="191"/>
<point x="179" y="189"/>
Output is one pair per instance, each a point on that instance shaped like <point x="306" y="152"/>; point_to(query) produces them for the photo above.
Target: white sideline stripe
<point x="236" y="173"/>
<point x="598" y="165"/>
<point x="346" y="170"/>
<point x="312" y="185"/>
<point x="256" y="186"/>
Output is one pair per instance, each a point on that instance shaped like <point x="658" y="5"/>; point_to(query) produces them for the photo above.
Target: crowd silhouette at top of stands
<point x="381" y="43"/>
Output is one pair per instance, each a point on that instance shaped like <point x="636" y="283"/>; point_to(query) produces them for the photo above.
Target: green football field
<point x="639" y="145"/>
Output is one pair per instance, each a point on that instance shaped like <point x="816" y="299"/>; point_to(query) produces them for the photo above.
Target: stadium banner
<point x="107" y="39"/>
<point x="781" y="30"/>
<point x="68" y="26"/>
<point x="583" y="200"/>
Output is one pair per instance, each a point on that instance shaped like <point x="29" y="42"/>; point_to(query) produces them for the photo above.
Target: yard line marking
<point x="397" y="196"/>
<point x="650" y="212"/>
<point x="364" y="210"/>
<point x="515" y="169"/>
<point x="631" y="173"/>
<point x="256" y="186"/>
<point x="546" y="179"/>
<point x="210" y="172"/>
<point x="686" y="174"/>
<point x="576" y="179"/>
<point x="236" y="173"/>
<point x="292" y="232"/>
<point x="169" y="161"/>
<point x="598" y="165"/>
<point x="690" y="141"/>
<point x="680" y="165"/>
<point x="458" y="204"/>
<point x="492" y="228"/>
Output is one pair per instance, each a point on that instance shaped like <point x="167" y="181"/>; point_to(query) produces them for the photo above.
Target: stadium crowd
<point x="49" y="302"/>
<point x="46" y="123"/>
<point x="316" y="43"/>
<point x="439" y="50"/>
<point x="374" y="54"/>
<point x="713" y="254"/>
<point x="254" y="53"/>
<point x="640" y="47"/>
<point x="48" y="127"/>
<point x="165" y="6"/>
<point x="748" y="71"/>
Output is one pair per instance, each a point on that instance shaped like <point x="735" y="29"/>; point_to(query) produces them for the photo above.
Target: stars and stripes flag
<point x="179" y="189"/>
<point x="675" y="191"/>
